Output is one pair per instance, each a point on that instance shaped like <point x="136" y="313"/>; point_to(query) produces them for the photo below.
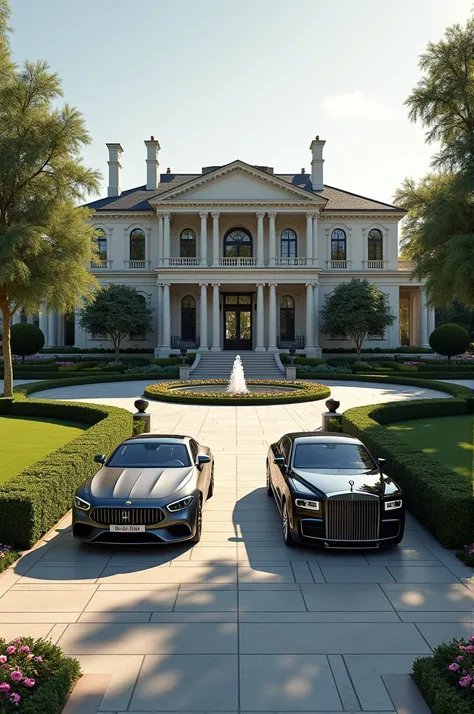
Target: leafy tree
<point x="438" y="233"/>
<point x="45" y="243"/>
<point x="117" y="311"/>
<point x="26" y="339"/>
<point x="356" y="309"/>
<point x="450" y="340"/>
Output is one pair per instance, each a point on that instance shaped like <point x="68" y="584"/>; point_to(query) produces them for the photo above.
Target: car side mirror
<point x="203" y="459"/>
<point x="279" y="461"/>
<point x="381" y="462"/>
<point x="100" y="459"/>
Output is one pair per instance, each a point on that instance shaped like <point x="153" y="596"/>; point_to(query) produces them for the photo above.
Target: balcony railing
<point x="289" y="262"/>
<point x="186" y="262"/>
<point x="137" y="264"/>
<point x="338" y="264"/>
<point x="237" y="262"/>
<point x="298" y="342"/>
<point x="406" y="265"/>
<point x="374" y="264"/>
<point x="101" y="264"/>
<point x="177" y="343"/>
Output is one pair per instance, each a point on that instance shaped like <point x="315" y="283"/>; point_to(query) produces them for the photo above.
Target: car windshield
<point x="150" y="454"/>
<point x="332" y="455"/>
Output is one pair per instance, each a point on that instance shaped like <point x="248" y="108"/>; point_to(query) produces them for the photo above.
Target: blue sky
<point x="218" y="80"/>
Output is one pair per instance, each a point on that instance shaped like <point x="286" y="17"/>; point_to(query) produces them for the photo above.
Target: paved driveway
<point x="239" y="622"/>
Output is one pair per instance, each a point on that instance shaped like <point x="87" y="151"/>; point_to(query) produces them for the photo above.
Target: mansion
<point x="239" y="257"/>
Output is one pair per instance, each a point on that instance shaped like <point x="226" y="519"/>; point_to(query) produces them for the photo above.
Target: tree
<point x="356" y="309"/>
<point x="26" y="339"/>
<point x="450" y="340"/>
<point x="45" y="242"/>
<point x="438" y="233"/>
<point x="117" y="311"/>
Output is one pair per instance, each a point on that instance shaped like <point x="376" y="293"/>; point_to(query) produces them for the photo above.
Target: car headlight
<point x="80" y="503"/>
<point x="392" y="505"/>
<point x="179" y="505"/>
<point x="304" y="503"/>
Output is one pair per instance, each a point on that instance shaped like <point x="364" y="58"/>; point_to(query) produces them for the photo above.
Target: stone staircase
<point x="218" y="365"/>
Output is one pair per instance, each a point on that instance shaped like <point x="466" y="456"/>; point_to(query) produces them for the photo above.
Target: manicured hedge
<point x="439" y="497"/>
<point x="457" y="390"/>
<point x="433" y="678"/>
<point x="85" y="379"/>
<point x="33" y="501"/>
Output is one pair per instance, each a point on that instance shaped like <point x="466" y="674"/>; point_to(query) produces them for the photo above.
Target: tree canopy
<point x="356" y="309"/>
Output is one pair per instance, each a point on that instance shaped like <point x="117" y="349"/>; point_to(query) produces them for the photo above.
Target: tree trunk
<point x="7" y="353"/>
<point x="116" y="341"/>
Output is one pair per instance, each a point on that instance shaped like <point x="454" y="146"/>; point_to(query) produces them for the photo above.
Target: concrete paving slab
<point x="432" y="597"/>
<point x="437" y="632"/>
<point x="271" y="601"/>
<point x="345" y="597"/>
<point x="206" y="601"/>
<point x="356" y="574"/>
<point x="133" y="600"/>
<point x="366" y="674"/>
<point x="423" y="574"/>
<point x="405" y="695"/>
<point x="124" y="673"/>
<point x="51" y="600"/>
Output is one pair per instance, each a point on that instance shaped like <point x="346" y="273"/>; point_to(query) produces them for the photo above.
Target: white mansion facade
<point x="241" y="258"/>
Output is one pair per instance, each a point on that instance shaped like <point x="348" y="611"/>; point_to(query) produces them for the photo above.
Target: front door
<point x="238" y="322"/>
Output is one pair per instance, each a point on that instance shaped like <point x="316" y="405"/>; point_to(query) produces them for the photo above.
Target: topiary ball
<point x="26" y="339"/>
<point x="450" y="339"/>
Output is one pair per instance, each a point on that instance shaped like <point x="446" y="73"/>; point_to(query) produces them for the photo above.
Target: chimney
<point x="317" y="162"/>
<point x="152" y="164"/>
<point x="115" y="170"/>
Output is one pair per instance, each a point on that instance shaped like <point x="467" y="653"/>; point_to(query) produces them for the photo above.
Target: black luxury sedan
<point x="151" y="489"/>
<point x="332" y="492"/>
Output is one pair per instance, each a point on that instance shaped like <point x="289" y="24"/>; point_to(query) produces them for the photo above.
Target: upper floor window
<point x="101" y="243"/>
<point x="187" y="244"/>
<point x="238" y="244"/>
<point x="137" y="244"/>
<point x="375" y="244"/>
<point x="338" y="245"/>
<point x="288" y="243"/>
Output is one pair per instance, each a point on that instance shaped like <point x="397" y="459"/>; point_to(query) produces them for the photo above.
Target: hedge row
<point x="91" y="379"/>
<point x="456" y="390"/>
<point x="35" y="499"/>
<point x="439" y="497"/>
<point x="433" y="678"/>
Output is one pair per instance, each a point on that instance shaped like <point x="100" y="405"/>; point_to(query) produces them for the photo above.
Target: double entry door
<point x="237" y="321"/>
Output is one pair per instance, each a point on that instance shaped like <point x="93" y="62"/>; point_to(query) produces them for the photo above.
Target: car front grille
<point x="349" y="519"/>
<point x="127" y="516"/>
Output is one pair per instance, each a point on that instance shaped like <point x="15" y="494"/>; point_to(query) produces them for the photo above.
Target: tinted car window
<point x="332" y="456"/>
<point x="150" y="454"/>
<point x="285" y="449"/>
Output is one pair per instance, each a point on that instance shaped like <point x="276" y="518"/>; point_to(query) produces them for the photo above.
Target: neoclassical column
<point x="431" y="321"/>
<point x="315" y="239"/>
<point x="160" y="239"/>
<point x="215" y="239"/>
<point x="203" y="309"/>
<point x="316" y="315"/>
<point x="260" y="217"/>
<point x="79" y="332"/>
<point x="309" y="238"/>
<point x="166" y="238"/>
<point x="203" y="217"/>
<point x="309" y="318"/>
<point x="52" y="329"/>
<point x="271" y="239"/>
<point x="260" y="346"/>
<point x="272" y="319"/>
<point x="216" y="328"/>
<point x="166" y="322"/>
<point x="30" y="318"/>
<point x="60" y="329"/>
<point x="159" y="313"/>
<point x="423" y="320"/>
<point x="16" y="318"/>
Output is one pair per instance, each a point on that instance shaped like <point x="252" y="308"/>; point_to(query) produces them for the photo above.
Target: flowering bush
<point x="467" y="554"/>
<point x="446" y="679"/>
<point x="411" y="364"/>
<point x="64" y="364"/>
<point x="7" y="556"/>
<point x="35" y="677"/>
<point x="462" y="669"/>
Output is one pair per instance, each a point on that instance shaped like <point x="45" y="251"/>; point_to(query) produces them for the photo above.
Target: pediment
<point x="238" y="182"/>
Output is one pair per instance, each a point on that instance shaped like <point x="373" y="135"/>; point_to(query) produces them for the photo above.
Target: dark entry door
<point x="237" y="322"/>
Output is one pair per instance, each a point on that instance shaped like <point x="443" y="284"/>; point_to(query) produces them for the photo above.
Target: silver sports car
<point x="151" y="489"/>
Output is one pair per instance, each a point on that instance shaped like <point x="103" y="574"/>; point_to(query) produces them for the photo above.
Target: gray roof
<point x="136" y="199"/>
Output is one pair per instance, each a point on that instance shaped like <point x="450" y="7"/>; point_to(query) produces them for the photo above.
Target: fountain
<point x="237" y="384"/>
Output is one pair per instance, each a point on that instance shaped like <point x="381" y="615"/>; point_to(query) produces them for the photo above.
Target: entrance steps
<point x="218" y="365"/>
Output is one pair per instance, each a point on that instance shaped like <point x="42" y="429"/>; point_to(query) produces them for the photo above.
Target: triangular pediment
<point x="238" y="182"/>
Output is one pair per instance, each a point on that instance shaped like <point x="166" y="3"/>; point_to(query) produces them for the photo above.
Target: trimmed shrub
<point x="450" y="339"/>
<point x="35" y="499"/>
<point x="26" y="339"/>
<point x="439" y="497"/>
<point x="439" y="685"/>
<point x="444" y="367"/>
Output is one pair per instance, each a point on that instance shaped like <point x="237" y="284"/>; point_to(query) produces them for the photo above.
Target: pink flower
<point x="15" y="697"/>
<point x="38" y="659"/>
<point x="11" y="650"/>
<point x="25" y="649"/>
<point x="29" y="682"/>
<point x="465" y="681"/>
<point x="471" y="639"/>
<point x="4" y="688"/>
<point x="453" y="667"/>
<point x="3" y="659"/>
<point x="459" y="658"/>
<point x="16" y="675"/>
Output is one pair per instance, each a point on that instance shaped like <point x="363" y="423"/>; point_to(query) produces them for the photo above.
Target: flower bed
<point x="35" y="677"/>
<point x="467" y="555"/>
<point x="300" y="392"/>
<point x="7" y="556"/>
<point x="446" y="679"/>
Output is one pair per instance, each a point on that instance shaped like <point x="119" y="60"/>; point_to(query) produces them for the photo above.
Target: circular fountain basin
<point x="214" y="391"/>
<point x="252" y="389"/>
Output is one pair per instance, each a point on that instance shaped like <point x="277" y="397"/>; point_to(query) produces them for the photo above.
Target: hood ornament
<point x="351" y="484"/>
<point x="128" y="503"/>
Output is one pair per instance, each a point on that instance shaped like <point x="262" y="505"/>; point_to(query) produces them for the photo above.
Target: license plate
<point x="127" y="529"/>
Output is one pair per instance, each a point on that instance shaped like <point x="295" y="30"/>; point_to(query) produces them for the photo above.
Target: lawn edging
<point x="438" y="684"/>
<point x="35" y="499"/>
<point x="440" y="498"/>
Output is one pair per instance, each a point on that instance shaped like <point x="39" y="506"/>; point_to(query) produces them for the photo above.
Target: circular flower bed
<point x="279" y="392"/>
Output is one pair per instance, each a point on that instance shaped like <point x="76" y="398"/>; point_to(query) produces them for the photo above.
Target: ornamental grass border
<point x="301" y="392"/>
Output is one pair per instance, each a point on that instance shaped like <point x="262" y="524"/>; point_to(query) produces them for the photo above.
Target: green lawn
<point x="26" y="440"/>
<point x="448" y="439"/>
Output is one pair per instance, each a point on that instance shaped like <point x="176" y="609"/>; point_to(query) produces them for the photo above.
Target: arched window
<point x="338" y="245"/>
<point x="187" y="244"/>
<point x="287" y="319"/>
<point x="137" y="244"/>
<point x="288" y="243"/>
<point x="101" y="243"/>
<point x="238" y="244"/>
<point x="375" y="245"/>
<point x="188" y="318"/>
